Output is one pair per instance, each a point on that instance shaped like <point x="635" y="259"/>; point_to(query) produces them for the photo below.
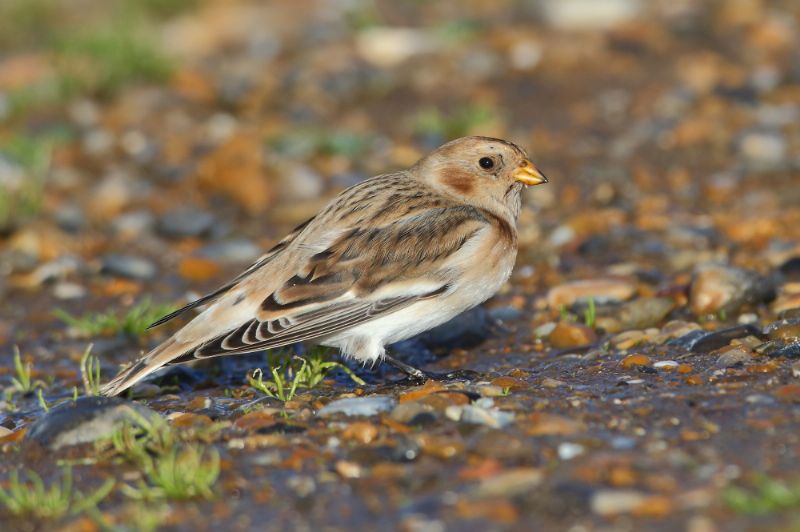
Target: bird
<point x="386" y="259"/>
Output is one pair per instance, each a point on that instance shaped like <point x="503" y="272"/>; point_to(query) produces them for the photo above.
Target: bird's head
<point x="481" y="171"/>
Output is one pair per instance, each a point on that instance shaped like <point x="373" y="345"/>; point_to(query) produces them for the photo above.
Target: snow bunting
<point x="386" y="259"/>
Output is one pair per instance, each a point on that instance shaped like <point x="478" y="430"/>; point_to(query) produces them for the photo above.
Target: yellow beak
<point x="528" y="174"/>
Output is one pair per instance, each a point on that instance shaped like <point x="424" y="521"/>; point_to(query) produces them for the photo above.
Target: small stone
<point x="233" y="251"/>
<point x="387" y="47"/>
<point x="493" y="418"/>
<point x="67" y="290"/>
<point x="440" y="446"/>
<point x="642" y="313"/>
<point x="734" y="356"/>
<point x="348" y="469"/>
<point x="185" y="222"/>
<point x="796" y="369"/>
<point x="510" y="483"/>
<point x="544" y="424"/>
<point x="128" y="267"/>
<point x="410" y="413"/>
<point x="131" y="224"/>
<point x="626" y="340"/>
<point x="361" y="432"/>
<point x="86" y="420"/>
<point x="568" y="334"/>
<point x="632" y="361"/>
<point x="721" y="288"/>
<point x="547" y="382"/>
<point x="786" y="329"/>
<point x="763" y="149"/>
<point x="198" y="269"/>
<point x="589" y="14"/>
<point x="298" y="182"/>
<point x="568" y="450"/>
<point x="359" y="406"/>
<point x="417" y="393"/>
<point x="545" y="329"/>
<point x="510" y="383"/>
<point x="676" y="329"/>
<point x="717" y="339"/>
<point x="614" y="502"/>
<point x="780" y="348"/>
<point x="666" y="364"/>
<point x="600" y="290"/>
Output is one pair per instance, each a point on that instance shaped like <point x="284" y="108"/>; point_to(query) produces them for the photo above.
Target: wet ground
<point x="641" y="370"/>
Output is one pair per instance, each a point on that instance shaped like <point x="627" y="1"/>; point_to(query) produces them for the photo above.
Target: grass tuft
<point x="90" y="372"/>
<point x="288" y="376"/>
<point x="134" y="322"/>
<point x="179" y="474"/>
<point x="766" y="497"/>
<point x="32" y="498"/>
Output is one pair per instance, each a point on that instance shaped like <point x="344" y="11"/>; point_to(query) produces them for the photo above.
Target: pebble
<point x="128" y="266"/>
<point x="796" y="369"/>
<point x="509" y="483"/>
<point x="566" y="334"/>
<point x="408" y="412"/>
<point x="600" y="290"/>
<point x="490" y="417"/>
<point x="632" y="361"/>
<point x="763" y="149"/>
<point x="717" y="288"/>
<point x="233" y="251"/>
<point x="185" y="222"/>
<point x="359" y="406"/>
<point x="783" y="329"/>
<point x="133" y="223"/>
<point x="780" y="348"/>
<point x="665" y="364"/>
<point x="734" y="356"/>
<point x="85" y="420"/>
<point x="638" y="314"/>
<point x="70" y="218"/>
<point x="545" y="329"/>
<point x="568" y="450"/>
<point x="717" y="339"/>
<point x="298" y="182"/>
<point x="613" y="502"/>
<point x="387" y="47"/>
<point x="67" y="290"/>
<point x="588" y="14"/>
<point x="544" y="424"/>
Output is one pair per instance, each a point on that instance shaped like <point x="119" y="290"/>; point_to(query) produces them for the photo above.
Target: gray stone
<point x="232" y="251"/>
<point x="128" y="266"/>
<point x="86" y="420"/>
<point x="359" y="406"/>
<point x="182" y="223"/>
<point x="734" y="357"/>
<point x="493" y="417"/>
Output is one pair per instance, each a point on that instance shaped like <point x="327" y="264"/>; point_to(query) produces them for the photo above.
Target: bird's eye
<point x="486" y="163"/>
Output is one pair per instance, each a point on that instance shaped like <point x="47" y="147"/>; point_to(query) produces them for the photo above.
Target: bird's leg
<point x="416" y="374"/>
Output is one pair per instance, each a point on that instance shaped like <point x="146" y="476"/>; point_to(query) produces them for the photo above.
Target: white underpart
<point x="471" y="286"/>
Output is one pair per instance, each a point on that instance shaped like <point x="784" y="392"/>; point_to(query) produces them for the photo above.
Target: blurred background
<point x="136" y="132"/>
<point x="151" y="149"/>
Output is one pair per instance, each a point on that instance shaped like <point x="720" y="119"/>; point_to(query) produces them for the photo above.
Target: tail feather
<point x="155" y="359"/>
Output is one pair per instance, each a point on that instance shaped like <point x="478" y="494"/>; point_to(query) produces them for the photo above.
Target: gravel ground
<point x="641" y="369"/>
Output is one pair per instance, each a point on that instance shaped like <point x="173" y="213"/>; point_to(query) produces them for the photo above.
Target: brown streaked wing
<point x="307" y="326"/>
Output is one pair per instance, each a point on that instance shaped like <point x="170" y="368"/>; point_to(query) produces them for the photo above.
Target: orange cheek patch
<point x="459" y="181"/>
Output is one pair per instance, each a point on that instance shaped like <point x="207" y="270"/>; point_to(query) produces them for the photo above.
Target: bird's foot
<point x="420" y="376"/>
